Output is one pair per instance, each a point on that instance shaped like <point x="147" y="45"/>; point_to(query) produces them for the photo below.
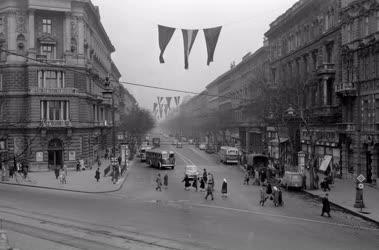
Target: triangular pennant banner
<point x="155" y="107"/>
<point x="165" y="34"/>
<point x="211" y="38"/>
<point x="160" y="112"/>
<point x="168" y="99"/>
<point x="189" y="37"/>
<point x="177" y="100"/>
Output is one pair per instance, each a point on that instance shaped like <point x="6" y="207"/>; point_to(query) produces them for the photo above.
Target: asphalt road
<point x="138" y="217"/>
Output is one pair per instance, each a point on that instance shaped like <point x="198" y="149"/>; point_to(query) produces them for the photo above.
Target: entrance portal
<point x="55" y="154"/>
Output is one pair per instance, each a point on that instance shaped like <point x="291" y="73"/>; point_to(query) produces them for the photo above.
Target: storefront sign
<point x="71" y="155"/>
<point x="39" y="156"/>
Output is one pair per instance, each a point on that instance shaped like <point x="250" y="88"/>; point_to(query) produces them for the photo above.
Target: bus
<point x="229" y="155"/>
<point x="160" y="159"/>
<point x="142" y="152"/>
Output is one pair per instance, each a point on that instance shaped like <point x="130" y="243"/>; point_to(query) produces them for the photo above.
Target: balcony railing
<point x="347" y="127"/>
<point x="44" y="59"/>
<point x="326" y="68"/>
<point x="325" y="110"/>
<point x="56" y="124"/>
<point x="53" y="91"/>
<point x="346" y="89"/>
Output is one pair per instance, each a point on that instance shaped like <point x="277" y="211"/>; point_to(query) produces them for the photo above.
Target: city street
<point x="138" y="217"/>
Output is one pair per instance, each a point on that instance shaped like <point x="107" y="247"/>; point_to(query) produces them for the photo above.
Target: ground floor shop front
<point x="47" y="149"/>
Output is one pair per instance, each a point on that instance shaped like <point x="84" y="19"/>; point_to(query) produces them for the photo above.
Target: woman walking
<point x="202" y="184"/>
<point x="194" y="183"/>
<point x="186" y="181"/>
<point x="165" y="181"/>
<point x="159" y="183"/>
<point x="97" y="174"/>
<point x="224" y="189"/>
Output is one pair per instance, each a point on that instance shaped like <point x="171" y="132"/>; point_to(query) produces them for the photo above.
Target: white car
<point x="191" y="171"/>
<point x="202" y="146"/>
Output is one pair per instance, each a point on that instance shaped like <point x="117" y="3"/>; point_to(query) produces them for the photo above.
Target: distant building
<point x="52" y="111"/>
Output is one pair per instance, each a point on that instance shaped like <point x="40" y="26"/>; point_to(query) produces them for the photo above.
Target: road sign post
<point x="359" y="192"/>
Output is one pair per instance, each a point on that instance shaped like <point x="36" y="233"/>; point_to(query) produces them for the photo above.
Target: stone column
<point x="324" y="91"/>
<point x="67" y="33"/>
<point x="81" y="36"/>
<point x="31" y="30"/>
<point x="12" y="46"/>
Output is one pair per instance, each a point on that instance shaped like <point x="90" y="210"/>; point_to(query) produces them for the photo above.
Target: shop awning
<point x="325" y="163"/>
<point x="275" y="141"/>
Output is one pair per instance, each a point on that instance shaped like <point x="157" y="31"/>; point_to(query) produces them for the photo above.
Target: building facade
<point x="304" y="56"/>
<point x="359" y="89"/>
<point x="54" y="59"/>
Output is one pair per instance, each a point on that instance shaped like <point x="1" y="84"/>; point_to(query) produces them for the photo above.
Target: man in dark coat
<point x="205" y="176"/>
<point x="97" y="174"/>
<point x="325" y="206"/>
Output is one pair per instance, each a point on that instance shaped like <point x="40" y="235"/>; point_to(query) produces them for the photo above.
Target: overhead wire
<point x="68" y="68"/>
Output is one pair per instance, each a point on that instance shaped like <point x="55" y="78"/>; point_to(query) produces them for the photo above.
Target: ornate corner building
<point x="359" y="88"/>
<point x="54" y="59"/>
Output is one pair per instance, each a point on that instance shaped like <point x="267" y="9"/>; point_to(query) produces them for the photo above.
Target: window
<point x="48" y="50"/>
<point x="46" y="26"/>
<point x="51" y="79"/>
<point x="366" y="26"/>
<point x="55" y="110"/>
<point x="377" y="110"/>
<point x="1" y="82"/>
<point x="348" y="33"/>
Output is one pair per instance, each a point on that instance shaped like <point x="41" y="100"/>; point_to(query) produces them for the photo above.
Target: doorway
<point x="55" y="154"/>
<point x="368" y="167"/>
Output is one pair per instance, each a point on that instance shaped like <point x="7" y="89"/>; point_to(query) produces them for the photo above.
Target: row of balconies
<point x="68" y="124"/>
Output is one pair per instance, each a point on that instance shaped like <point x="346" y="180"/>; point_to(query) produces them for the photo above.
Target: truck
<point x="156" y="142"/>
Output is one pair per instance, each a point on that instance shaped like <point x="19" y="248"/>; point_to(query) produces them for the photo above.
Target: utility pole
<point x="113" y="127"/>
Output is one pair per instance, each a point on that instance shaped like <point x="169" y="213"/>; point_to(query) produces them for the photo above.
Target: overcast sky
<point x="132" y="28"/>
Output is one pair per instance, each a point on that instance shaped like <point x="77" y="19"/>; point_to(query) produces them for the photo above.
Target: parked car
<point x="292" y="180"/>
<point x="202" y="146"/>
<point x="191" y="171"/>
<point x="210" y="148"/>
<point x="190" y="141"/>
<point x="179" y="145"/>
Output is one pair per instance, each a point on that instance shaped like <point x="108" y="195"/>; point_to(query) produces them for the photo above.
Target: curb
<point x="72" y="190"/>
<point x="346" y="210"/>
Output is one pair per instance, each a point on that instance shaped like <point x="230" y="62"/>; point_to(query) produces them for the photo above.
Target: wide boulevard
<point x="139" y="217"/>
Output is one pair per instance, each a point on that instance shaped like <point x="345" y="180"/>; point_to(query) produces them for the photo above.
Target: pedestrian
<point x="77" y="166"/>
<point x="280" y="198"/>
<point x="304" y="181"/>
<point x="246" y="179"/>
<point x="209" y="190"/>
<point x="97" y="174"/>
<point x="325" y="185"/>
<point x="194" y="183"/>
<point x="325" y="206"/>
<point x="186" y="181"/>
<point x="114" y="174"/>
<point x="202" y="184"/>
<point x="269" y="189"/>
<point x="263" y="197"/>
<point x="56" y="171"/>
<point x="119" y="160"/>
<point x="159" y="183"/>
<point x="316" y="180"/>
<point x="165" y="181"/>
<point x="205" y="176"/>
<point x="224" y="189"/>
<point x="276" y="196"/>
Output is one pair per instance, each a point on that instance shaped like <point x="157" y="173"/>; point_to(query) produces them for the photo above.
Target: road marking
<point x="283" y="216"/>
<point x="184" y="158"/>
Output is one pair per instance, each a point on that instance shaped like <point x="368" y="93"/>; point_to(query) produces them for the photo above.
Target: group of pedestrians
<point x="158" y="181"/>
<point x="272" y="193"/>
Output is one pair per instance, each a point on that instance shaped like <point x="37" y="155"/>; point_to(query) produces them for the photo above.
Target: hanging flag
<point x="164" y="34"/>
<point x="160" y="99"/>
<point x="211" y="38"/>
<point x="168" y="100"/>
<point x="177" y="100"/>
<point x="155" y="107"/>
<point x="160" y="112"/>
<point x="189" y="37"/>
<point x="166" y="109"/>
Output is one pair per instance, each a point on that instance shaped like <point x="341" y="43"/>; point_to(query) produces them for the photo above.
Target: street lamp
<point x="108" y="94"/>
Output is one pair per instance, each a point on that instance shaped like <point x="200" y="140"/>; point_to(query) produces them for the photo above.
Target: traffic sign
<point x="360" y="186"/>
<point x="361" y="178"/>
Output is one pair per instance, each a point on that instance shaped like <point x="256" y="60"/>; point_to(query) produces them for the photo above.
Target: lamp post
<point x="108" y="94"/>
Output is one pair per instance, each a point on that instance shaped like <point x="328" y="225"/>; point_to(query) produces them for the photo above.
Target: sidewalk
<point x="83" y="181"/>
<point x="342" y="194"/>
